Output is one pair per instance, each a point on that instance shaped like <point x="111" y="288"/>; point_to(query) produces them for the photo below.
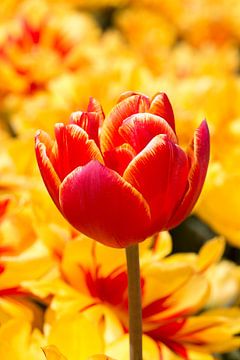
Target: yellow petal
<point x="210" y="253"/>
<point x="163" y="279"/>
<point x="109" y="324"/>
<point x="52" y="353"/>
<point x="155" y="248"/>
<point x="76" y="337"/>
<point x="30" y="264"/>
<point x="188" y="299"/>
<point x="17" y="342"/>
<point x="120" y="348"/>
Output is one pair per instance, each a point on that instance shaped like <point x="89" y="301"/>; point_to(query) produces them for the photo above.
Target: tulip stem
<point x="134" y="303"/>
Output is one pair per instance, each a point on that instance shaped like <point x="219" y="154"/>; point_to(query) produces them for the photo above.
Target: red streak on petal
<point x="13" y="291"/>
<point x="2" y="268"/>
<point x="110" y="289"/>
<point x="167" y="330"/>
<point x="179" y="349"/>
<point x="3" y="206"/>
<point x="6" y="249"/>
<point x="154" y="308"/>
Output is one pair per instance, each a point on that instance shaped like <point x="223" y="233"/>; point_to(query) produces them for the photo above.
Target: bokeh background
<point x="54" y="55"/>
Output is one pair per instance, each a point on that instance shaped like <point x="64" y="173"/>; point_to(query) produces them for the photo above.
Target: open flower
<point x="175" y="291"/>
<point x="127" y="179"/>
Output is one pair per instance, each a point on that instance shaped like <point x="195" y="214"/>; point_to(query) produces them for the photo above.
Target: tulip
<point x="121" y="179"/>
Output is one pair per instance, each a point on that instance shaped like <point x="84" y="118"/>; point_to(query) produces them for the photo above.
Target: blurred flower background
<point x="62" y="296"/>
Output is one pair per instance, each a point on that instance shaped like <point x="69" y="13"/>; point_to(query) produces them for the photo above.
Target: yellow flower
<point x="222" y="187"/>
<point x="148" y="34"/>
<point x="58" y="39"/>
<point x="200" y="21"/>
<point x="18" y="341"/>
<point x="174" y="289"/>
<point x="224" y="278"/>
<point x="210" y="21"/>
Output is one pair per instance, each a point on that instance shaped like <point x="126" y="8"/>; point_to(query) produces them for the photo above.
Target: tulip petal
<point x="73" y="149"/>
<point x="139" y="129"/>
<point x="44" y="138"/>
<point x="159" y="173"/>
<point x="99" y="203"/>
<point x="110" y="137"/>
<point x="89" y="120"/>
<point x="95" y="107"/>
<point x="162" y="107"/>
<point x="118" y="158"/>
<point x="199" y="156"/>
<point x="127" y="94"/>
<point x="47" y="170"/>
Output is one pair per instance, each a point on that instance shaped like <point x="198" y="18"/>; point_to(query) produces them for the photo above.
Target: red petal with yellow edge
<point x="73" y="149"/>
<point x="199" y="156"/>
<point x="44" y="138"/>
<point x="99" y="203"/>
<point x="127" y="94"/>
<point x="139" y="129"/>
<point x="46" y="168"/>
<point x="161" y="106"/>
<point x="88" y="122"/>
<point x="110" y="137"/>
<point x="94" y="106"/>
<point x="119" y="157"/>
<point x="159" y="173"/>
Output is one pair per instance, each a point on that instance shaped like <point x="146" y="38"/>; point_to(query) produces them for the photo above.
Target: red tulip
<point x="124" y="178"/>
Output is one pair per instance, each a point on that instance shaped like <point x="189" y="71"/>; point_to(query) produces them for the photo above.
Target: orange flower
<point x="128" y="179"/>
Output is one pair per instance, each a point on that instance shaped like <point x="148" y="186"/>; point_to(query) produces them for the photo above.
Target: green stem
<point x="134" y="301"/>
